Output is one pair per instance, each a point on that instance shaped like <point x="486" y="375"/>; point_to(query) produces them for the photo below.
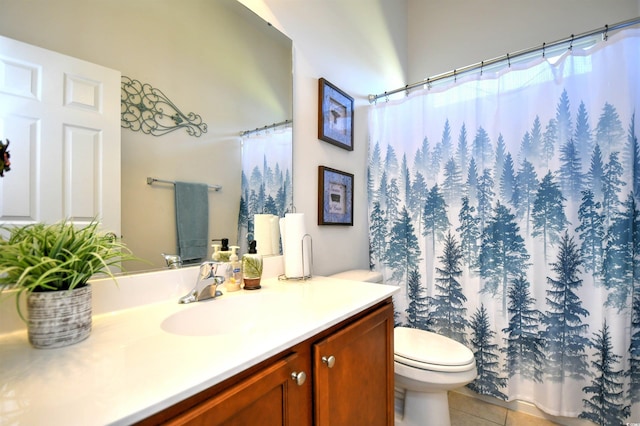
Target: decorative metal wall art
<point x="146" y="109"/>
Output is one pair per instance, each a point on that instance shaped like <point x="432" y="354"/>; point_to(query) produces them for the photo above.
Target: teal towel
<point x="192" y="220"/>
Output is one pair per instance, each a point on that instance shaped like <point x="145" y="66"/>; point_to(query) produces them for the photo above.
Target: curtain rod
<point x="270" y="126"/>
<point x="151" y="180"/>
<point x="479" y="65"/>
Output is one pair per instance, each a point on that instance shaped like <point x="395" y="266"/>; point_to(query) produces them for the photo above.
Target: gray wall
<point x="449" y="34"/>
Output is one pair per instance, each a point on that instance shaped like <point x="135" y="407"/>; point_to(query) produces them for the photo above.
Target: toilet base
<point x="425" y="408"/>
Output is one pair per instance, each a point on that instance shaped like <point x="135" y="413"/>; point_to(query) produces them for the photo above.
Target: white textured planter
<point x="59" y="318"/>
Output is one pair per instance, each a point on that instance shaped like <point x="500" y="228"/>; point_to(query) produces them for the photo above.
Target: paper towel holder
<point x="304" y="276"/>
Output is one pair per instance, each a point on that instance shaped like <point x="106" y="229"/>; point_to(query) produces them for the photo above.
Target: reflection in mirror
<point x="214" y="58"/>
<point x="266" y="186"/>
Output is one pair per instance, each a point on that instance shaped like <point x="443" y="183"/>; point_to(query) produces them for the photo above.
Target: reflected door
<point x="62" y="116"/>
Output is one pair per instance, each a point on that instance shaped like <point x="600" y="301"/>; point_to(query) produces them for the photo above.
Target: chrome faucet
<point x="173" y="261"/>
<point x="207" y="283"/>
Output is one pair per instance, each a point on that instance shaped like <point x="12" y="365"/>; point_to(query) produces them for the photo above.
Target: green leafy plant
<point x="53" y="257"/>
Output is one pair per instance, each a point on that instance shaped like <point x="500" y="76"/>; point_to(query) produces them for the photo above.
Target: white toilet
<point x="364" y="275"/>
<point x="427" y="366"/>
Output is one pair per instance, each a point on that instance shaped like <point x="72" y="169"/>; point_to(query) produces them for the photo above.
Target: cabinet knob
<point x="330" y="360"/>
<point x="299" y="378"/>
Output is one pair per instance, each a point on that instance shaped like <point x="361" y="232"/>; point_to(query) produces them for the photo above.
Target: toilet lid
<point x="359" y="275"/>
<point x="415" y="347"/>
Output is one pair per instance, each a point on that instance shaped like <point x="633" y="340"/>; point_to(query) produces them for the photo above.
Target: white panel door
<point x="62" y="116"/>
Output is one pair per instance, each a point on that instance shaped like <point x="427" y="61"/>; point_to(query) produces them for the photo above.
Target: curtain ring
<point x="508" y="61"/>
<point x="428" y="84"/>
<point x="455" y="77"/>
<point x="406" y="90"/>
<point x="543" y="49"/>
<point x="605" y="35"/>
<point x="571" y="44"/>
<point x="386" y="97"/>
<point x="481" y="68"/>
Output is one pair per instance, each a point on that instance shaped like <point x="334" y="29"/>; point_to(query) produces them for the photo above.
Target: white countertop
<point x="141" y="359"/>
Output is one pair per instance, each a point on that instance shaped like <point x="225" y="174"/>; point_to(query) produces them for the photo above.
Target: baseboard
<point x="524" y="407"/>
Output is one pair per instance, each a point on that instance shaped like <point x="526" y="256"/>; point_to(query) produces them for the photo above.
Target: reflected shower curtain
<point x="266" y="178"/>
<point x="505" y="207"/>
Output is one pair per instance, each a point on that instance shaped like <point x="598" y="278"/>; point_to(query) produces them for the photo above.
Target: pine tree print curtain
<point x="266" y="178"/>
<point x="505" y="206"/>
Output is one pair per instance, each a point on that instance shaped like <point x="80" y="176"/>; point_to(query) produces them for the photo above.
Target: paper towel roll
<point x="262" y="233"/>
<point x="296" y="260"/>
<point x="275" y="235"/>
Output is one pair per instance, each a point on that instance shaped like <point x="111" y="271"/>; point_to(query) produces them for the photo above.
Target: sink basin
<point x="246" y="314"/>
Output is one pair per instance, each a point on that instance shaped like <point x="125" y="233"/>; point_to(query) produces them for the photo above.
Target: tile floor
<point x="469" y="411"/>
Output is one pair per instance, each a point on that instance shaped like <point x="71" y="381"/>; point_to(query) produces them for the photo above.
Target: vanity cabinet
<point x="341" y="376"/>
<point x="353" y="373"/>
<point x="267" y="398"/>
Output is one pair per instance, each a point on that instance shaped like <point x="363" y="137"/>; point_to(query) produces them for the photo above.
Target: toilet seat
<point x="430" y="351"/>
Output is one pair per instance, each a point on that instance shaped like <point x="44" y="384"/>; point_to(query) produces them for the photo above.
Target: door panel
<point x="264" y="399"/>
<point x="355" y="386"/>
<point x="18" y="198"/>
<point x="82" y="189"/>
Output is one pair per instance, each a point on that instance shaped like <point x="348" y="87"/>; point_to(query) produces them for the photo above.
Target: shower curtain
<point x="266" y="178"/>
<point x="505" y="207"/>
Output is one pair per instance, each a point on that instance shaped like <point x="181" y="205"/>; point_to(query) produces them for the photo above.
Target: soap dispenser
<point x="216" y="252"/>
<point x="235" y="277"/>
<point x="222" y="253"/>
<point x="252" y="267"/>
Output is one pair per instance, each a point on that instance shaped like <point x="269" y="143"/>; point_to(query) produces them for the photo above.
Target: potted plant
<point x="50" y="264"/>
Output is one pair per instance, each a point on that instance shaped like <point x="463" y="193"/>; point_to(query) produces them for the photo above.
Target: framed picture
<point x="335" y="197"/>
<point x="335" y="116"/>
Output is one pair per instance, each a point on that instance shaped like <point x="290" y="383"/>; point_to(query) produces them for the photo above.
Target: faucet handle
<point x="213" y="269"/>
<point x="207" y="270"/>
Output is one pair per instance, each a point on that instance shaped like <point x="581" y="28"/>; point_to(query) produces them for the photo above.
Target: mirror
<point x="216" y="59"/>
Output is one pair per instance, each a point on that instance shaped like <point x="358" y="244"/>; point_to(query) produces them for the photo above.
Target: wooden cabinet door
<point x="266" y="398"/>
<point x="353" y="373"/>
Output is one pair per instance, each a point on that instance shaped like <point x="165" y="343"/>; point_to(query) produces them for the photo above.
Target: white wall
<point x="369" y="47"/>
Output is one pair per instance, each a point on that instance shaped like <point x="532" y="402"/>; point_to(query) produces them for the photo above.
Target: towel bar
<point x="151" y="180"/>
